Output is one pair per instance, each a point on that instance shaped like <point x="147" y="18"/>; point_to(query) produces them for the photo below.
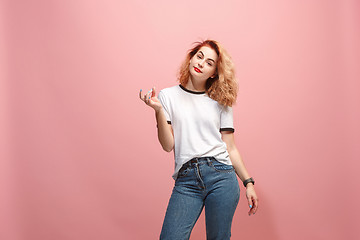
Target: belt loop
<point x="196" y="162"/>
<point x="208" y="161"/>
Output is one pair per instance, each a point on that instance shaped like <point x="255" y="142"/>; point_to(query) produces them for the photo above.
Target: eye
<point x="209" y="63"/>
<point x="199" y="56"/>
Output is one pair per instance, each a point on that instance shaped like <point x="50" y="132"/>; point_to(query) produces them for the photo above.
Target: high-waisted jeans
<point x="202" y="182"/>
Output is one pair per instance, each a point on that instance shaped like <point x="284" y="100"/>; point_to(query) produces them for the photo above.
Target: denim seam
<point x="198" y="176"/>
<point x="223" y="170"/>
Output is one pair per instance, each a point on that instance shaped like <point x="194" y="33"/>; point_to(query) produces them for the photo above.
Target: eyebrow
<point x="208" y="58"/>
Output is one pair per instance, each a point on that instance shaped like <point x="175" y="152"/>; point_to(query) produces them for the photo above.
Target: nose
<point x="201" y="63"/>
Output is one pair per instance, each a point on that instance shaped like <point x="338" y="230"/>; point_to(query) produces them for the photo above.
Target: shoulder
<point x="170" y="91"/>
<point x="225" y="110"/>
<point x="221" y="108"/>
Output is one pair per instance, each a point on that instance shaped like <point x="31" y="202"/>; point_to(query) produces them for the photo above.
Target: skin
<point x="205" y="60"/>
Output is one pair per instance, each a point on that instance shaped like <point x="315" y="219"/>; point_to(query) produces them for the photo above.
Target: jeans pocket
<point x="183" y="172"/>
<point x="221" y="167"/>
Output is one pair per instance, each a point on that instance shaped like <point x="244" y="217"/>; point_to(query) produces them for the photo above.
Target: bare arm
<point x="228" y="138"/>
<point x="236" y="160"/>
<point x="165" y="132"/>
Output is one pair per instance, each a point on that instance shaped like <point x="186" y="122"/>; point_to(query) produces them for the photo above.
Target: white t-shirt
<point x="196" y="120"/>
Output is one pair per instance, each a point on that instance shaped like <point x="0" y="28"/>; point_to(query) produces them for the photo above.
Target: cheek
<point x="191" y="64"/>
<point x="211" y="71"/>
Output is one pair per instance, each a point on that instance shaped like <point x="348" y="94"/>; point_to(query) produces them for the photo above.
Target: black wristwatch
<point x="249" y="180"/>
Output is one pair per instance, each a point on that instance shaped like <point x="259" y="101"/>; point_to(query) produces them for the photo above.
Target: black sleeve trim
<point x="169" y="122"/>
<point x="227" y="129"/>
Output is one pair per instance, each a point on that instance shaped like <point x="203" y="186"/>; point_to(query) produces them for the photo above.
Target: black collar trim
<point x="189" y="91"/>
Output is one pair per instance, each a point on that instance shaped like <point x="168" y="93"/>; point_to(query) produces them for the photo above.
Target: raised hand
<point x="150" y="99"/>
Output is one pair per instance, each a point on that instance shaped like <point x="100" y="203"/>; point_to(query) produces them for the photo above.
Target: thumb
<point x="153" y="94"/>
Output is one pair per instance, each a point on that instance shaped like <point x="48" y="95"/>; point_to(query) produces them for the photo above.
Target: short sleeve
<point x="226" y="119"/>
<point x="164" y="102"/>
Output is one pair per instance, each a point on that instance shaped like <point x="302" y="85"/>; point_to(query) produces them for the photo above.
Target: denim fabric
<point x="203" y="183"/>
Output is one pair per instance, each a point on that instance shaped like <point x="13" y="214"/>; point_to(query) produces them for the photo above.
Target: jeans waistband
<point x="198" y="160"/>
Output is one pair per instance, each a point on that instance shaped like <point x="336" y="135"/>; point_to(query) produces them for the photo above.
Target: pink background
<point x="79" y="152"/>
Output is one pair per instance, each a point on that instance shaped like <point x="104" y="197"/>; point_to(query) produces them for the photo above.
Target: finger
<point x="250" y="203"/>
<point x="150" y="93"/>
<point x="140" y="95"/>
<point x="250" y="211"/>
<point x="256" y="204"/>
<point x="146" y="98"/>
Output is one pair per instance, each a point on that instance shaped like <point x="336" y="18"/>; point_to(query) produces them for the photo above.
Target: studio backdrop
<point x="79" y="155"/>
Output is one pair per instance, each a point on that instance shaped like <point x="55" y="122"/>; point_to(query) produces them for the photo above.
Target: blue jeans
<point x="202" y="182"/>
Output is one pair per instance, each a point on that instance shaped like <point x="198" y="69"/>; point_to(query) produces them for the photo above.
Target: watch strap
<point x="245" y="182"/>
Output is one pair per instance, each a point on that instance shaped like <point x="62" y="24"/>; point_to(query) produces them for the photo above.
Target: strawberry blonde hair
<point x="223" y="87"/>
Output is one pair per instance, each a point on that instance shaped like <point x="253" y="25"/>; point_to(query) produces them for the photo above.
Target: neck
<point x="195" y="85"/>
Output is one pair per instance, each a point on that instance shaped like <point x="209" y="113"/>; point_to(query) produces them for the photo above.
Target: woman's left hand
<point x="252" y="198"/>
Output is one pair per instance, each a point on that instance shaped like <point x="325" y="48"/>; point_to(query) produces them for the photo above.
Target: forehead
<point x="208" y="52"/>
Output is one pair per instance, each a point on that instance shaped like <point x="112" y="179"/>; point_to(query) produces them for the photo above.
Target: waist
<point x="198" y="160"/>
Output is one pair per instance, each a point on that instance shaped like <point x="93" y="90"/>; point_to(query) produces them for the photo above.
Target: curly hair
<point x="223" y="87"/>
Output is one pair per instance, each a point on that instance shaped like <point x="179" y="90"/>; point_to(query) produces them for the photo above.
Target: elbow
<point x="166" y="142"/>
<point x="167" y="148"/>
<point x="231" y="148"/>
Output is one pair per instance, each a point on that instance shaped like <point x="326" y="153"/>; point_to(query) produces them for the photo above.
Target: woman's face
<point x="203" y="64"/>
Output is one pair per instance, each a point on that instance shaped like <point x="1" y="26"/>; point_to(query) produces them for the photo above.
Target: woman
<point x="195" y="120"/>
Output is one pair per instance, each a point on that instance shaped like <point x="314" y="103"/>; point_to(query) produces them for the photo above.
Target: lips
<point x="197" y="70"/>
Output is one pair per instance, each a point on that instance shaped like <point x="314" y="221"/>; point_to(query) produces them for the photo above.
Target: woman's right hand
<point x="165" y="133"/>
<point x="150" y="99"/>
